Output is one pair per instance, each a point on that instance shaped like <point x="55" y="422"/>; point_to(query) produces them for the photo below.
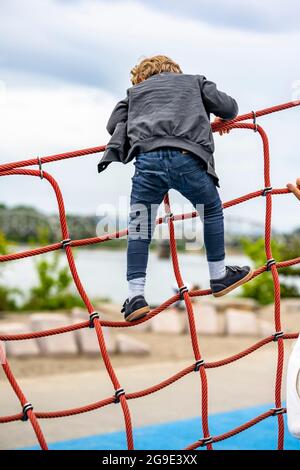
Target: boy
<point x="167" y="114"/>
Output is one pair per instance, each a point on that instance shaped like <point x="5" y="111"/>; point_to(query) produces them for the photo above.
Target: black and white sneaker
<point x="235" y="276"/>
<point x="135" y="308"/>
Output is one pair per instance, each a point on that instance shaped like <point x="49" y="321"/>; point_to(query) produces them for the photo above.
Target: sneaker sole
<point x="233" y="286"/>
<point x="138" y="314"/>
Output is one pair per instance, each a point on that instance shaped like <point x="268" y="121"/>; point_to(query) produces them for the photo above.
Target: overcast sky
<point x="65" y="63"/>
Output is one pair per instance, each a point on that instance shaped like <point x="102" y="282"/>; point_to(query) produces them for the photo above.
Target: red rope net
<point x="199" y="366"/>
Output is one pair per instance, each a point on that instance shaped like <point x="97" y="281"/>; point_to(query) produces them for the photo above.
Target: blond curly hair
<point x="151" y="66"/>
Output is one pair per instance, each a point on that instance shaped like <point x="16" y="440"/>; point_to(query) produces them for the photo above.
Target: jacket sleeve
<point x="119" y="114"/>
<point x="217" y="102"/>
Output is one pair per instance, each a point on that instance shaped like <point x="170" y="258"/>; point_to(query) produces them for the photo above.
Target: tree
<point x="8" y="295"/>
<point x="261" y="287"/>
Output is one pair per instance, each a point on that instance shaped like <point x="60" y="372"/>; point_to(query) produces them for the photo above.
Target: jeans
<point x="155" y="173"/>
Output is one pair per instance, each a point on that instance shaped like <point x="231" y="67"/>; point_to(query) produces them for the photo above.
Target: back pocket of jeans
<point x="194" y="167"/>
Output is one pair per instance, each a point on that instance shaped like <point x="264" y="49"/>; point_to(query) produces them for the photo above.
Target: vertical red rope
<point x="191" y="320"/>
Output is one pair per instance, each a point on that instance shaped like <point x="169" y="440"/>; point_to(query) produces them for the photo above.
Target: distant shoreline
<point x="116" y="245"/>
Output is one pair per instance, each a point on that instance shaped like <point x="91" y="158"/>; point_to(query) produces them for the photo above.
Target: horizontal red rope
<point x="101" y="148"/>
<point x="234" y="431"/>
<point x="121" y="233"/>
<point x="148" y="391"/>
<point x="124" y="324"/>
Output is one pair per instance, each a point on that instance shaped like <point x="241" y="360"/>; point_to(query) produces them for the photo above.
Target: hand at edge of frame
<point x="295" y="189"/>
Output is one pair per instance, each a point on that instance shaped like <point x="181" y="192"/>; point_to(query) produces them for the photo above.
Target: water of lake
<point x="103" y="273"/>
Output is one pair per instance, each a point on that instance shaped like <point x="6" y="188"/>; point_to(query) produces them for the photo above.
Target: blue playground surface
<point x="179" y="434"/>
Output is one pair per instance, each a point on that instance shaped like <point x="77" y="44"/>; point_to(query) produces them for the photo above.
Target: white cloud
<point x="96" y="43"/>
<point x="37" y="122"/>
<point x="266" y="16"/>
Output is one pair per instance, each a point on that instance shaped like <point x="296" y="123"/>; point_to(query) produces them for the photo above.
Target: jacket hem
<point x="154" y="142"/>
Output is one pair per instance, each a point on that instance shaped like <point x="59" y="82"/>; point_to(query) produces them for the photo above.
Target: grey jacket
<point x="167" y="110"/>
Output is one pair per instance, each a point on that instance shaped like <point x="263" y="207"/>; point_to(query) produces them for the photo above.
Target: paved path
<point x="245" y="383"/>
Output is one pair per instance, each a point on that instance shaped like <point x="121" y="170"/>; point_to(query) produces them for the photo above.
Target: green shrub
<point x="261" y="288"/>
<point x="8" y="295"/>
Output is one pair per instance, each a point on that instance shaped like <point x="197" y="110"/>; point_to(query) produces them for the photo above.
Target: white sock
<point x="136" y="287"/>
<point x="216" y="269"/>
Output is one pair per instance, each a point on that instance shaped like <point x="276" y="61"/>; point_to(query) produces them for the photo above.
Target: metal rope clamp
<point x="40" y="167"/>
<point x="182" y="290"/>
<point x="277" y="411"/>
<point x="254" y="121"/>
<point x="26" y="408"/>
<point x="93" y="316"/>
<point x="205" y="441"/>
<point x="168" y="216"/>
<point x="65" y="242"/>
<point x="118" y="394"/>
<point x="277" y="335"/>
<point x="270" y="263"/>
<point x="266" y="190"/>
<point x="198" y="364"/>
